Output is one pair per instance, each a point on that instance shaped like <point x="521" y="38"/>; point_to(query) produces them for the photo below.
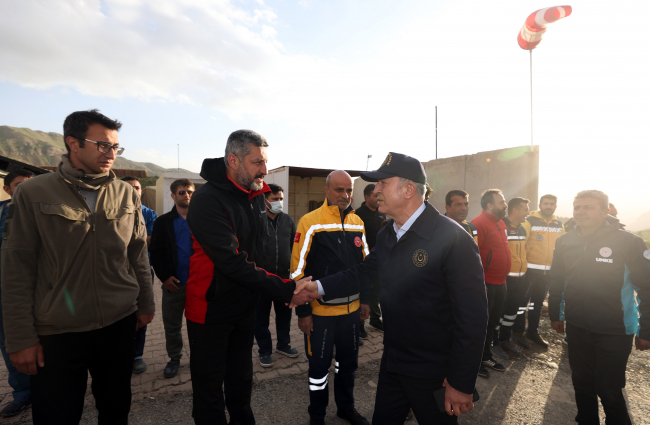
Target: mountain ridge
<point x="45" y="148"/>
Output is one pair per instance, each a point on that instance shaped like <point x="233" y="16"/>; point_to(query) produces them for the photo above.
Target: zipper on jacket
<point x="93" y="253"/>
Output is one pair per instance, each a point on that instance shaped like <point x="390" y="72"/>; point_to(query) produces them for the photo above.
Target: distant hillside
<point x="642" y="222"/>
<point x="645" y="235"/>
<point x="40" y="148"/>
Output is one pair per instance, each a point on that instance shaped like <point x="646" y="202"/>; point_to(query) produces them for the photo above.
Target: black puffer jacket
<point x="229" y="228"/>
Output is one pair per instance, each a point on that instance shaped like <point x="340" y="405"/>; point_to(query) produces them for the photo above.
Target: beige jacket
<point x="65" y="269"/>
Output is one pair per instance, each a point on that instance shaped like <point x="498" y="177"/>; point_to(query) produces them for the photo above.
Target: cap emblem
<point x="388" y="159"/>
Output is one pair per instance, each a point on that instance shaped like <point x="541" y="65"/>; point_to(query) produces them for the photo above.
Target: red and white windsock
<point x="535" y="26"/>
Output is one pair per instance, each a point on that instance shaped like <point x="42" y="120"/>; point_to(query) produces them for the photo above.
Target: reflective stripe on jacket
<point x="323" y="246"/>
<point x="540" y="241"/>
<point x="517" y="244"/>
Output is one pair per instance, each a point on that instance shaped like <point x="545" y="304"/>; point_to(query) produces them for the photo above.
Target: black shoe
<point x="509" y="346"/>
<point x="537" y="339"/>
<point x="171" y="369"/>
<point x="520" y="339"/>
<point x="313" y="421"/>
<point x="362" y="333"/>
<point x="483" y="372"/>
<point x="352" y="416"/>
<point x="376" y="326"/>
<point x="491" y="363"/>
<point x="497" y="350"/>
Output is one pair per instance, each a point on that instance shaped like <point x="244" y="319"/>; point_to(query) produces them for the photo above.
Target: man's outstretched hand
<point x="306" y="292"/>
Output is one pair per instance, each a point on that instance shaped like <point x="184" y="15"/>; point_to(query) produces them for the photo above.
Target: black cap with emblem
<point x="398" y="165"/>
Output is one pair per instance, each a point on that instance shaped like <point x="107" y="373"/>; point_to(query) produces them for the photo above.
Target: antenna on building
<point x="436" y="132"/>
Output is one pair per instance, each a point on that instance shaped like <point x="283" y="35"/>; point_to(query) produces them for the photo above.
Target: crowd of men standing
<point x="78" y="250"/>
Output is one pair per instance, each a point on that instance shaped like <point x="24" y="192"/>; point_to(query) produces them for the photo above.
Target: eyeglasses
<point x="105" y="147"/>
<point x="183" y="192"/>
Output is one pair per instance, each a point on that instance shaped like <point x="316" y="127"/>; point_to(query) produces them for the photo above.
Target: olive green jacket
<point x="65" y="269"/>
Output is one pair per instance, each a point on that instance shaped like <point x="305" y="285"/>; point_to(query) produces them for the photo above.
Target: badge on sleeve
<point x="297" y="238"/>
<point x="646" y="254"/>
<point x="420" y="258"/>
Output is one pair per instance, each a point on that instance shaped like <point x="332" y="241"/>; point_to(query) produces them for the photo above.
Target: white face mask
<point x="274" y="207"/>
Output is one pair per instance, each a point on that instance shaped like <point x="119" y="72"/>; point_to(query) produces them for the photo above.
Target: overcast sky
<point x="329" y="82"/>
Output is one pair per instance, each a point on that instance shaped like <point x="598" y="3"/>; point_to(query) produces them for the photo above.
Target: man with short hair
<point x="542" y="230"/>
<point x="70" y="305"/>
<point x="495" y="257"/>
<point x="22" y="396"/>
<point x="228" y="222"/>
<point x="515" y="281"/>
<point x="171" y="248"/>
<point x="430" y="274"/>
<point x="150" y="216"/>
<point x="457" y="208"/>
<point x="331" y="239"/>
<point x="372" y="221"/>
<point x="600" y="284"/>
<point x="280" y="231"/>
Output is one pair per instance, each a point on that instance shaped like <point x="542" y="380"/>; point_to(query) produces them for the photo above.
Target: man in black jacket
<point x="280" y="232"/>
<point x="372" y="220"/>
<point x="430" y="273"/>
<point x="601" y="276"/>
<point x="171" y="248"/>
<point x="228" y="221"/>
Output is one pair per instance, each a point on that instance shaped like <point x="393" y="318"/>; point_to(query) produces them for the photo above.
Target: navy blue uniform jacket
<point x="432" y="297"/>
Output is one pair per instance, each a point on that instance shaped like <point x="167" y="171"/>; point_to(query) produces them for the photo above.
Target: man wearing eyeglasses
<point x="70" y="305"/>
<point x="171" y="248"/>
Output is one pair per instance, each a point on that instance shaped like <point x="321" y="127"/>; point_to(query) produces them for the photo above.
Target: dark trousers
<point x="397" y="393"/>
<point x="282" y="325"/>
<point x="173" y="306"/>
<point x="537" y="284"/>
<point x="496" y="295"/>
<point x="220" y="356"/>
<point x="141" y="335"/>
<point x="514" y="306"/>
<point x="598" y="365"/>
<point x="342" y="331"/>
<point x="59" y="388"/>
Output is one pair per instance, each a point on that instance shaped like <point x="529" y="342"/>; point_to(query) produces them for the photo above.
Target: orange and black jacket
<point x="517" y="244"/>
<point x="471" y="229"/>
<point x="540" y="241"/>
<point x="326" y="244"/>
<point x="229" y="230"/>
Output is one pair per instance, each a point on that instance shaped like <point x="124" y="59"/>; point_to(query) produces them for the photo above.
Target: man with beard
<point x="171" y="248"/>
<point x="543" y="229"/>
<point x="228" y="221"/>
<point x="495" y="256"/>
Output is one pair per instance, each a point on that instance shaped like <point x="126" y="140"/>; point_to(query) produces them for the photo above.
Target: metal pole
<point x="436" y="132"/>
<point x="531" y="98"/>
<point x="178" y="154"/>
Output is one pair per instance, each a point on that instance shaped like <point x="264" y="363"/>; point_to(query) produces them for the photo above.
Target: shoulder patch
<point x="646" y="254"/>
<point x="297" y="237"/>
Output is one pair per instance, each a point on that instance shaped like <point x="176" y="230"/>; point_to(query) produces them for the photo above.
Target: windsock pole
<point x="531" y="97"/>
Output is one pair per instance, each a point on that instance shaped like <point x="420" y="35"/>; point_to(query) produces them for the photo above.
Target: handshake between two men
<point x="306" y="291"/>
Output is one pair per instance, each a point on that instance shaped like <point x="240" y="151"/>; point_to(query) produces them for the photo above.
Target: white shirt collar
<point x="400" y="231"/>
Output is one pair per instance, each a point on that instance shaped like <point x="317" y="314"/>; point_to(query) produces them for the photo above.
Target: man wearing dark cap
<point x="430" y="273"/>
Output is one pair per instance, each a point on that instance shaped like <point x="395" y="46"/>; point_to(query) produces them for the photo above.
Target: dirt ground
<point x="535" y="389"/>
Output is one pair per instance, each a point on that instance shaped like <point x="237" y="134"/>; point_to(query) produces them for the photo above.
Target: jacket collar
<point x="173" y="213"/>
<point x="491" y="217"/>
<point x="425" y="224"/>
<point x="334" y="210"/>
<point x="539" y="215"/>
<point x="611" y="224"/>
<point x="509" y="223"/>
